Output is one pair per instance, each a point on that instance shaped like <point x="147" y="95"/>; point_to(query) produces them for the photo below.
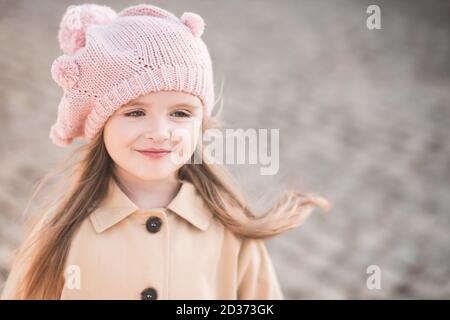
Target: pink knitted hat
<point x="113" y="58"/>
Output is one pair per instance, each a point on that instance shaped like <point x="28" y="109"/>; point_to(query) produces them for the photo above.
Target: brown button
<point x="149" y="294"/>
<point x="153" y="224"/>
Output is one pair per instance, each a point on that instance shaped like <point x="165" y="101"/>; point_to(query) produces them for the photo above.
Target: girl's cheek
<point x="184" y="141"/>
<point x="188" y="133"/>
<point x="182" y="137"/>
<point x="130" y="129"/>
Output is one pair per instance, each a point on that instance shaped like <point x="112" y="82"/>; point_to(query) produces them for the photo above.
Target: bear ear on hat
<point x="73" y="25"/>
<point x="194" y="22"/>
<point x="65" y="71"/>
<point x="146" y="10"/>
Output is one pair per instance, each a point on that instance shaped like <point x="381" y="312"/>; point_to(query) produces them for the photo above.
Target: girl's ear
<point x="194" y="22"/>
<point x="73" y="25"/>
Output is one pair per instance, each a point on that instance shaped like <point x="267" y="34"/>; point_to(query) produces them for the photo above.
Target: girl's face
<point x="167" y="120"/>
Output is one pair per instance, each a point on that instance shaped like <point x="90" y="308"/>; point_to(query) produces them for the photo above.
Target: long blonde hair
<point x="84" y="177"/>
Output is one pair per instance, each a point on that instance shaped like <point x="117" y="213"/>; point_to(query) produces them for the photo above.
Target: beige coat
<point x="178" y="252"/>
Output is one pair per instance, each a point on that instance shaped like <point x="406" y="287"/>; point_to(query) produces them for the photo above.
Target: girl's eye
<point x="132" y="113"/>
<point x="181" y="114"/>
<point x="177" y="114"/>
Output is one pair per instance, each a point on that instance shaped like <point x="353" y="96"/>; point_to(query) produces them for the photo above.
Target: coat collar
<point x="116" y="206"/>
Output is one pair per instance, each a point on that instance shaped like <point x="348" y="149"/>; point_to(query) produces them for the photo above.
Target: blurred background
<point x="364" y="119"/>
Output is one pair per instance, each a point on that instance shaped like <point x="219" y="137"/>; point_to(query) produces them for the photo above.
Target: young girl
<point x="135" y="216"/>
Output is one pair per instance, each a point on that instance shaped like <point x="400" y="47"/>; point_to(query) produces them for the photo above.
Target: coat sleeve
<point x="12" y="287"/>
<point x="257" y="279"/>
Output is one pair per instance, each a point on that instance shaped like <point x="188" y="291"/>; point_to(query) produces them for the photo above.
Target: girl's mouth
<point x="155" y="154"/>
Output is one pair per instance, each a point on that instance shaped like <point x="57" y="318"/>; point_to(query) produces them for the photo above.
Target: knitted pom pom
<point x="65" y="72"/>
<point x="194" y="22"/>
<point x="72" y="29"/>
<point x="57" y="139"/>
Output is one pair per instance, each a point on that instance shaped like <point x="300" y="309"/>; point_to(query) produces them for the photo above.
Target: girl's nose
<point x="158" y="130"/>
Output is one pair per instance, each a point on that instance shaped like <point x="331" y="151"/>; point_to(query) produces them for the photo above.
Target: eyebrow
<point x="139" y="103"/>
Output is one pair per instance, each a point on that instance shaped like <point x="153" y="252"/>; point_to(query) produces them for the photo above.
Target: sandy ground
<point x="363" y="118"/>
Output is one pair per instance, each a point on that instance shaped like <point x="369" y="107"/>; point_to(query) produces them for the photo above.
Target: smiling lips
<point x="154" y="153"/>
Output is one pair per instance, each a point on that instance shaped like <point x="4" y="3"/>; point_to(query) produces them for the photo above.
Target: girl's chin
<point x="150" y="176"/>
<point x="168" y="162"/>
<point x="153" y="168"/>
